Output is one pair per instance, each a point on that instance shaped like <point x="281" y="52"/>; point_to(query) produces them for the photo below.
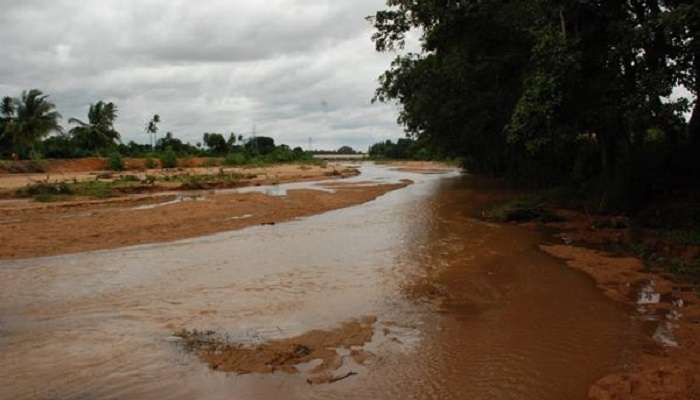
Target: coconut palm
<point x="34" y="118"/>
<point x="98" y="132"/>
<point x="7" y="107"/>
<point x="152" y="128"/>
<point x="7" y="112"/>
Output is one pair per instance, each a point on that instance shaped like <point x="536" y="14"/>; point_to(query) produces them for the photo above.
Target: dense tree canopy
<point x="98" y="132"/>
<point x="27" y="120"/>
<point x="551" y="91"/>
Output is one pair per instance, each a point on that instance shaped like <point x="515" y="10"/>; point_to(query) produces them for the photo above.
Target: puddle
<point x="179" y="198"/>
<point x="648" y="294"/>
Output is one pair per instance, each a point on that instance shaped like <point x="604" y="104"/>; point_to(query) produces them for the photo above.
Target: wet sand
<point x="85" y="170"/>
<point x="667" y="367"/>
<point x="458" y="308"/>
<point x="71" y="228"/>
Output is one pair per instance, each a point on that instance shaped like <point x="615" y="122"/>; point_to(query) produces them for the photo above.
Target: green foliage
<point x="115" y="162"/>
<point x="150" y="163"/>
<point x="96" y="189"/>
<point x="208" y="181"/>
<point x="550" y="92"/>
<point x="168" y="159"/>
<point x="684" y="236"/>
<point x="260" y="145"/>
<point x="98" y="132"/>
<point x="216" y="143"/>
<point x="521" y="209"/>
<point x="403" y="149"/>
<point x="45" y="188"/>
<point x="235" y="159"/>
<point x="27" y="120"/>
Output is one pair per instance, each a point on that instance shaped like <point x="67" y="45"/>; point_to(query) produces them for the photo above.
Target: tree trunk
<point x="694" y="126"/>
<point x="694" y="123"/>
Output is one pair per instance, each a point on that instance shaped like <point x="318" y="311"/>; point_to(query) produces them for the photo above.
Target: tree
<point x="152" y="128"/>
<point x="34" y="118"/>
<point x="532" y="88"/>
<point x="7" y="113"/>
<point x="346" y="150"/>
<point x="216" y="143"/>
<point x="260" y="145"/>
<point x="231" y="142"/>
<point x="98" y="132"/>
<point x="169" y="141"/>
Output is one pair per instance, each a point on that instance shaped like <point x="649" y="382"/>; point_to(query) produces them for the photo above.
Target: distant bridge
<point x="341" y="157"/>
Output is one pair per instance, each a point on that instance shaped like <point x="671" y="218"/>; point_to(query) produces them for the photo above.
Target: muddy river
<point x="464" y="309"/>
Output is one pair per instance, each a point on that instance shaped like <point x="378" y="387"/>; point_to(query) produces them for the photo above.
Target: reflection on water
<point x="477" y="312"/>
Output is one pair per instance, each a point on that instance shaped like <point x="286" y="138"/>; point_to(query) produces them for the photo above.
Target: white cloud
<point x="294" y="68"/>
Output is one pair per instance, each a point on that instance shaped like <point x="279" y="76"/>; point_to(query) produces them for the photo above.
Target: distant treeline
<point x="30" y="128"/>
<point x="403" y="149"/>
<point x="552" y="92"/>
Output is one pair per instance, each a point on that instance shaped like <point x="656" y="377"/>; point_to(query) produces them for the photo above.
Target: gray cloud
<point x="293" y="68"/>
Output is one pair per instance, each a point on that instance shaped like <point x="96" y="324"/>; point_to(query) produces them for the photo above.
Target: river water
<point x="465" y="309"/>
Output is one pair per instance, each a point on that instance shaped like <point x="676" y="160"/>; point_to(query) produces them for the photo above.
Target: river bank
<point x="608" y="250"/>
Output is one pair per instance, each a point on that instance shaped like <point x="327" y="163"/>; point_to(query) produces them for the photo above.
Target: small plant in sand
<point x="168" y="159"/>
<point x="236" y="159"/>
<point x="151" y="163"/>
<point x="44" y="187"/>
<point x="522" y="209"/>
<point x="115" y="162"/>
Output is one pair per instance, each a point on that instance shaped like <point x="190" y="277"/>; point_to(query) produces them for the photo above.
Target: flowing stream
<point x="465" y="309"/>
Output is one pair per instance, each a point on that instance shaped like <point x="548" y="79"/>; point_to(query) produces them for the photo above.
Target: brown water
<point x="466" y="310"/>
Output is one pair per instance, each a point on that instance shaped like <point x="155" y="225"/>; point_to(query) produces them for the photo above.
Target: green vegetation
<point x="150" y="163"/>
<point x="235" y="159"/>
<point x="207" y="181"/>
<point x="98" y="132"/>
<point x="168" y="159"/>
<point x="522" y="209"/>
<point x="552" y="92"/>
<point x="403" y="149"/>
<point x="30" y="129"/>
<point x="25" y="121"/>
<point x="115" y="162"/>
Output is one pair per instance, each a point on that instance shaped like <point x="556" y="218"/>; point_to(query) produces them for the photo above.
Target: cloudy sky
<point x="293" y="68"/>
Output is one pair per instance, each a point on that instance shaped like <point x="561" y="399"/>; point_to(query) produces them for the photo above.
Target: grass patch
<point x="45" y="188"/>
<point x="115" y="162"/>
<point x="207" y="181"/>
<point x="24" y="167"/>
<point x="522" y="209"/>
<point x="688" y="237"/>
<point x="96" y="189"/>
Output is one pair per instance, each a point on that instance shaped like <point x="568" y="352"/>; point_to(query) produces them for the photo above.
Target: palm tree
<point x="152" y="128"/>
<point x="7" y="113"/>
<point x="34" y="118"/>
<point x="98" y="132"/>
<point x="7" y="107"/>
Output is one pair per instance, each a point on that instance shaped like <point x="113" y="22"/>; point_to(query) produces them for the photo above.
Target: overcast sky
<point x="294" y="68"/>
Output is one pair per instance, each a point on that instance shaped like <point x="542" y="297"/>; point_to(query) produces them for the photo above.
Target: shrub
<point x="168" y="159"/>
<point x="36" y="165"/>
<point x="96" y="189"/>
<point x="235" y="159"/>
<point x="522" y="209"/>
<point x="151" y="163"/>
<point x="115" y="162"/>
<point x="45" y="188"/>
